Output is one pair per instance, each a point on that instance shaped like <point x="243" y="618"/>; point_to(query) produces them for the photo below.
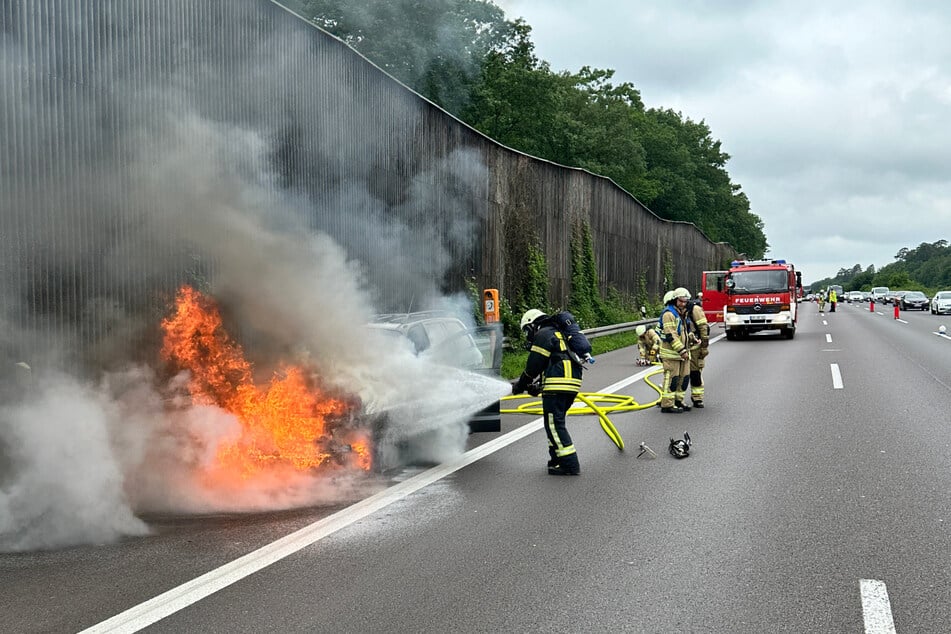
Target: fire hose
<point x="592" y="403"/>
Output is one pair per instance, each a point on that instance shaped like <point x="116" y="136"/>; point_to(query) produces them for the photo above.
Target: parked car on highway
<point x="435" y="336"/>
<point x="914" y="300"/>
<point x="879" y="294"/>
<point x="941" y="303"/>
<point x="445" y="340"/>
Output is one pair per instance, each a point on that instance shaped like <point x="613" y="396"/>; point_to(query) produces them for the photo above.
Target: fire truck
<point x="753" y="295"/>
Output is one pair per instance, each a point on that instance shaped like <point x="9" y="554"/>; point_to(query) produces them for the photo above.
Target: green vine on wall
<point x="668" y="269"/>
<point x="585" y="301"/>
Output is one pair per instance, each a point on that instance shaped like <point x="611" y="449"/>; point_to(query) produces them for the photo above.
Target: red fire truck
<point x="753" y="295"/>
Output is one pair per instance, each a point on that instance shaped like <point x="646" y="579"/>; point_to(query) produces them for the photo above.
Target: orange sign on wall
<point x="490" y="305"/>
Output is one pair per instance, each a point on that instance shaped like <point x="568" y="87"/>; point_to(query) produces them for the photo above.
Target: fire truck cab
<point x="753" y="295"/>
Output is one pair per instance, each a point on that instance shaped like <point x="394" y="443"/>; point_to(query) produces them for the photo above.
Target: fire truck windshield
<point x="760" y="281"/>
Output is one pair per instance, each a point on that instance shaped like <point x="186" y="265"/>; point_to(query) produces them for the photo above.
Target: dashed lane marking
<point x="828" y="338"/>
<point x="876" y="608"/>
<point x="836" y="377"/>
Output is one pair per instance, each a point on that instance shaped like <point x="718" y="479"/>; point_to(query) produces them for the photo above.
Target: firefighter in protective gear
<point x="561" y="381"/>
<point x="699" y="349"/>
<point x="648" y="344"/>
<point x="675" y="351"/>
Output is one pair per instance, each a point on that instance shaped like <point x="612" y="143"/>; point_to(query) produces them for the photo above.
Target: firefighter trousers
<point x="555" y="406"/>
<point x="676" y="376"/>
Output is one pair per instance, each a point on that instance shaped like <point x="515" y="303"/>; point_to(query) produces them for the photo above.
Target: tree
<point x="436" y="47"/>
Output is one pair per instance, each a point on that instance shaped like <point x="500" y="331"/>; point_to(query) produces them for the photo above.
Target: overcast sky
<point x="837" y="114"/>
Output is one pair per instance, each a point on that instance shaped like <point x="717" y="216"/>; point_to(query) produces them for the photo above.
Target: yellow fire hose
<point x="594" y="403"/>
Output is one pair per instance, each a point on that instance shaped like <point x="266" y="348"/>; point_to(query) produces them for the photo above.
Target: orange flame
<point x="289" y="423"/>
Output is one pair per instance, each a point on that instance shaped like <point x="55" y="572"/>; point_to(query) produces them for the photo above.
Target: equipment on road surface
<point x="753" y="295"/>
<point x="646" y="451"/>
<point x="680" y="448"/>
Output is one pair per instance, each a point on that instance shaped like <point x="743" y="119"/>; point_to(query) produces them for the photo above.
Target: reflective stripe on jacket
<point x="549" y="355"/>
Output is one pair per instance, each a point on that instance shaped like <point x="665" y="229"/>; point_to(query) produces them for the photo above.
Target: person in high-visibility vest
<point x="549" y="357"/>
<point x="699" y="349"/>
<point x="648" y="344"/>
<point x="674" y="351"/>
<point x="833" y="298"/>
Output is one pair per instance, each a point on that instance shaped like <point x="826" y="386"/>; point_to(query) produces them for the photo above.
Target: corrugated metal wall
<point x="126" y="124"/>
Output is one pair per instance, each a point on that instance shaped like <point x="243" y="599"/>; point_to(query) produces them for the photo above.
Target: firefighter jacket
<point x="648" y="344"/>
<point x="676" y="332"/>
<point x="549" y="356"/>
<point x="700" y="329"/>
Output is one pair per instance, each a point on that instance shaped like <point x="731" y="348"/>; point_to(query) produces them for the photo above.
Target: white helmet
<point x="681" y="293"/>
<point x="668" y="297"/>
<point x="531" y="316"/>
<point x="640" y="330"/>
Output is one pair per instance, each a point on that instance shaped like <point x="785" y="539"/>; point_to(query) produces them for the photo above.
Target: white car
<point x="879" y="293"/>
<point x="854" y="296"/>
<point x="941" y="303"/>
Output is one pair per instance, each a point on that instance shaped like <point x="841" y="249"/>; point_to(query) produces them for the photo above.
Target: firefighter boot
<point x="698" y="404"/>
<point x="676" y="409"/>
<point x="683" y="406"/>
<point x="567" y="465"/>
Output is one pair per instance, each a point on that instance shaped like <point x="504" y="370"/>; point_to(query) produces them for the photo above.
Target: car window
<point x="417" y="334"/>
<point x="944" y="295"/>
<point x="915" y="295"/>
<point x="451" y="344"/>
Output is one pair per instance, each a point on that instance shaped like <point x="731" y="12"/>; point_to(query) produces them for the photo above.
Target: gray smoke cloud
<point x="102" y="436"/>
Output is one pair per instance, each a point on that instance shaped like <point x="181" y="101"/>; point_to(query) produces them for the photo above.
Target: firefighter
<point x="675" y="351"/>
<point x="561" y="381"/>
<point x="648" y="344"/>
<point x="699" y="349"/>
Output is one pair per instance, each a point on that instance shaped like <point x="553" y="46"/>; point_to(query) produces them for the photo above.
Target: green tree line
<point x="924" y="268"/>
<point x="465" y="56"/>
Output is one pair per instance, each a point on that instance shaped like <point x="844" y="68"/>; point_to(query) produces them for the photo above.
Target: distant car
<point x="941" y="303"/>
<point x="914" y="300"/>
<point x="854" y="296"/>
<point x="879" y="294"/>
<point x="866" y="296"/>
<point x="894" y="297"/>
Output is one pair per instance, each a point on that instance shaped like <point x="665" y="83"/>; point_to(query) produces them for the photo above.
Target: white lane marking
<point x="825" y="323"/>
<point x="828" y="338"/>
<point x="941" y="334"/>
<point x="836" y="377"/>
<point x="876" y="608"/>
<point x="901" y="320"/>
<point x="177" y="599"/>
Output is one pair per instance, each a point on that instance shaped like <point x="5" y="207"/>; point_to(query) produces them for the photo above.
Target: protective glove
<point x="519" y="385"/>
<point x="534" y="389"/>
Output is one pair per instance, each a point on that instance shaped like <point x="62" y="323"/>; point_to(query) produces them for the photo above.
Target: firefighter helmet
<point x="640" y="330"/>
<point x="531" y="316"/>
<point x="681" y="293"/>
<point x="668" y="297"/>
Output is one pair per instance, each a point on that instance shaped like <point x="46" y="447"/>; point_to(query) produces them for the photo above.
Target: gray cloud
<point x="832" y="112"/>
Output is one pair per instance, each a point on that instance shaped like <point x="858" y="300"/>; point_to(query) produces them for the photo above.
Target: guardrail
<point x="613" y="329"/>
<point x="601" y="331"/>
